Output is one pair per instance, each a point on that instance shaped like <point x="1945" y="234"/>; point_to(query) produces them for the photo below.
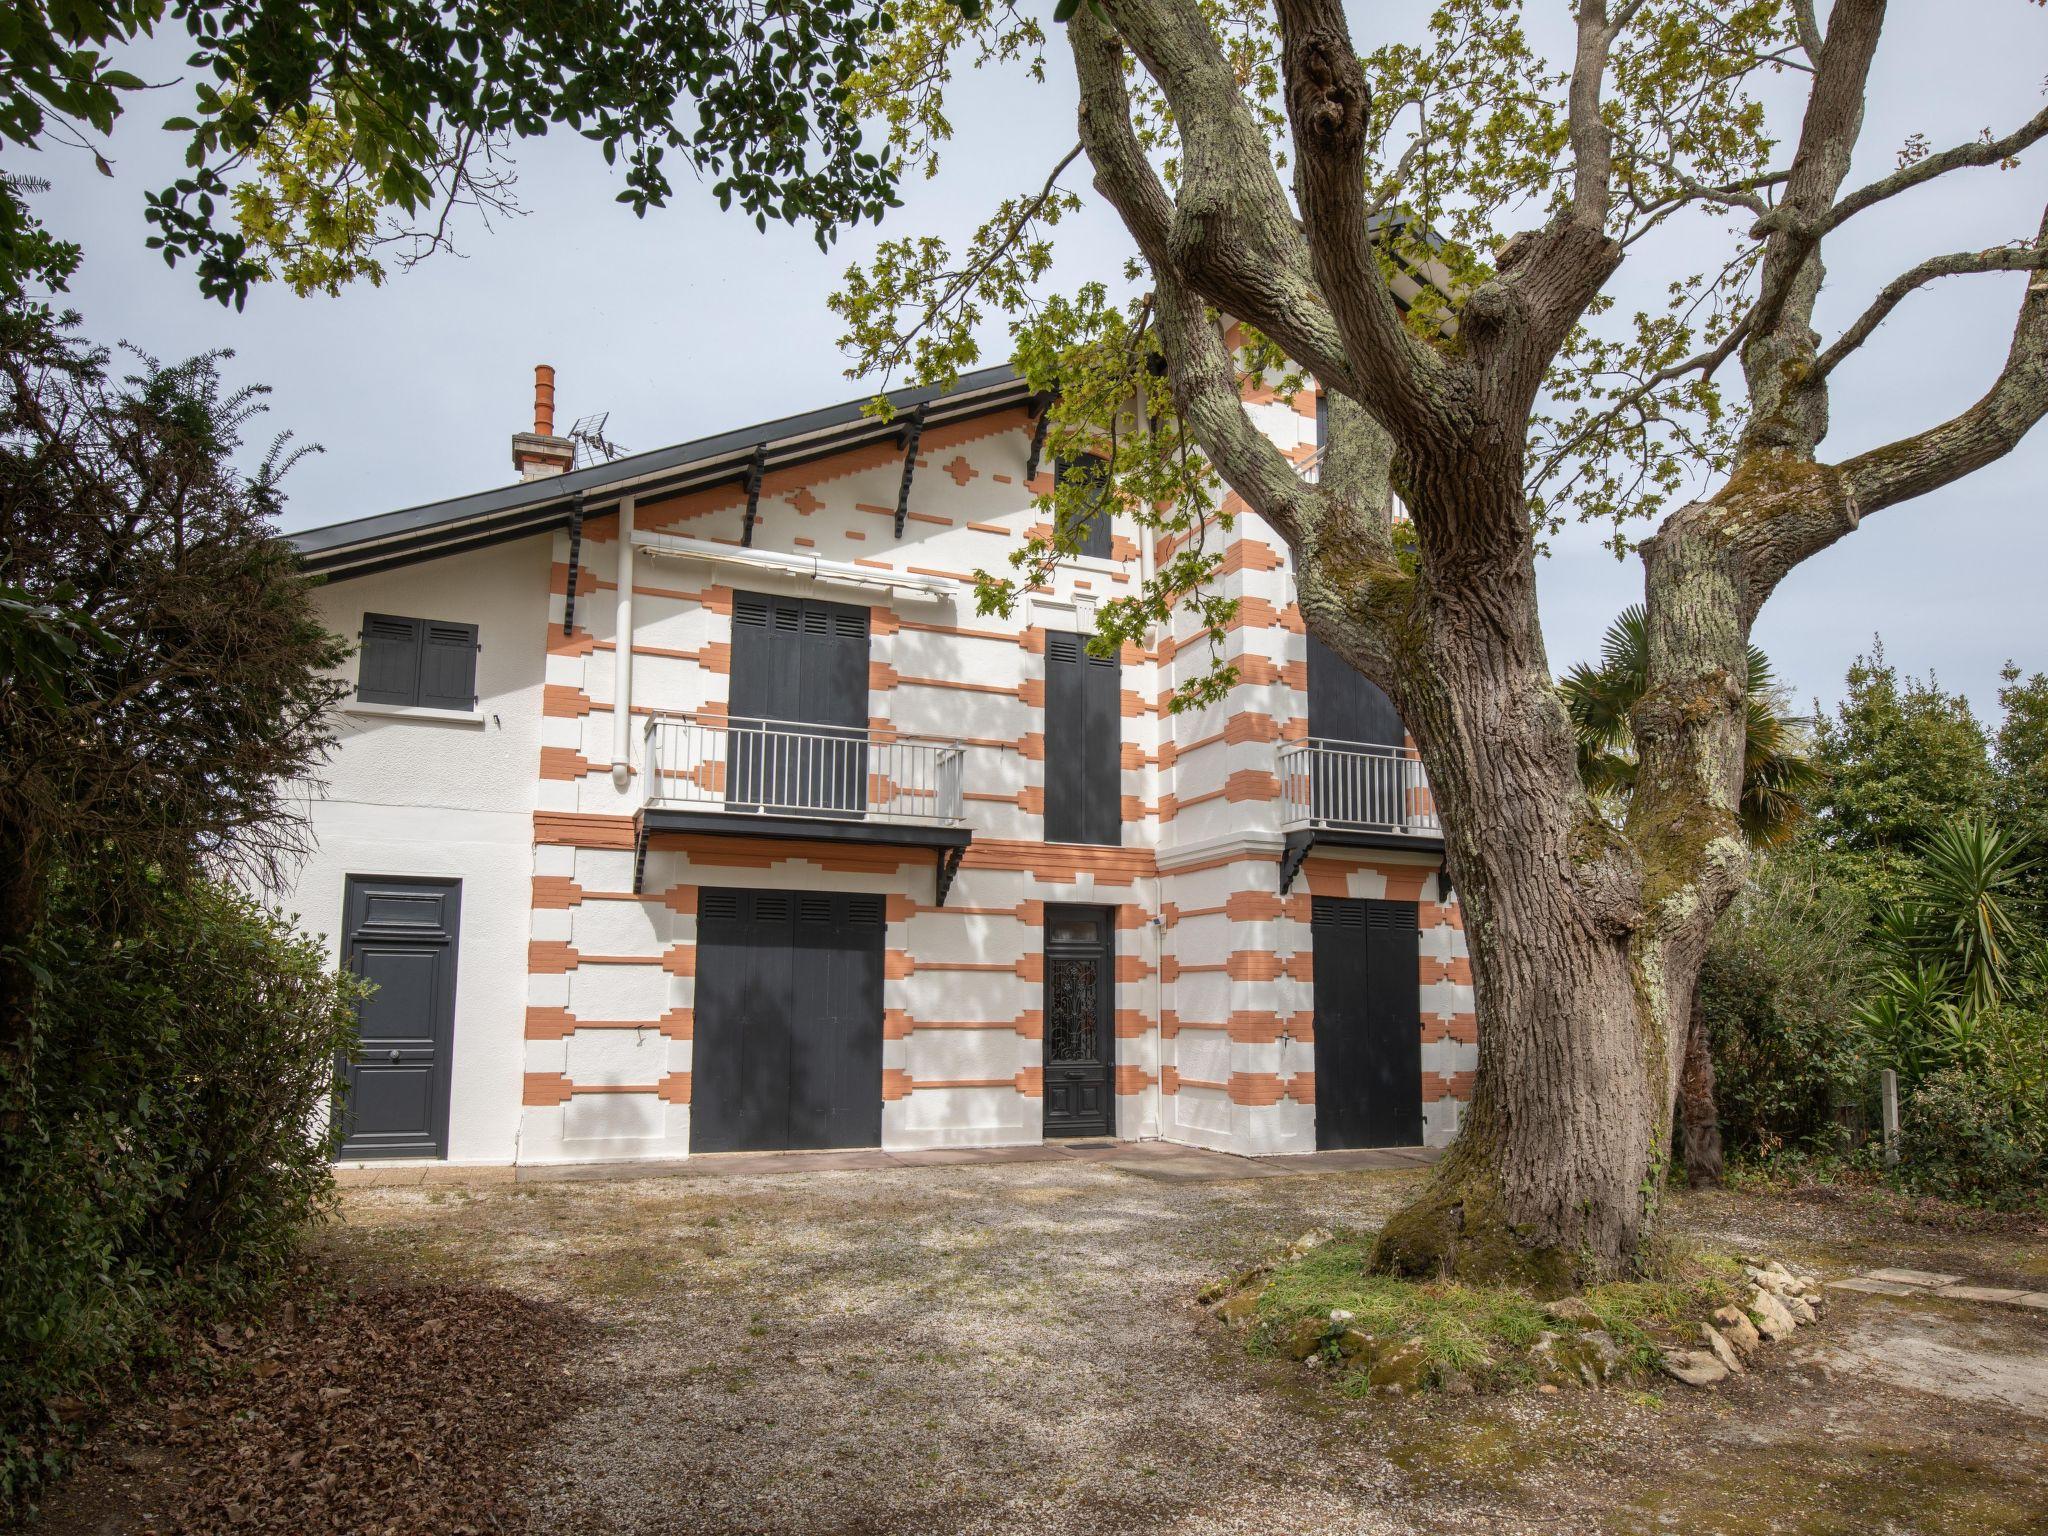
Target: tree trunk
<point x="1585" y="940"/>
<point x="1699" y="1122"/>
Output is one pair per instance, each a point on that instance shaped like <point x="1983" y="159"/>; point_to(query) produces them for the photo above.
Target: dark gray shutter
<point x="1322" y="419"/>
<point x="1083" y="744"/>
<point x="388" y="666"/>
<point x="1093" y="471"/>
<point x="448" y="666"/>
<point x="1344" y="705"/>
<point x="801" y="662"/>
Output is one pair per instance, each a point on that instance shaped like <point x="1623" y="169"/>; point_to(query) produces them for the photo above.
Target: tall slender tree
<point x="1274" y="175"/>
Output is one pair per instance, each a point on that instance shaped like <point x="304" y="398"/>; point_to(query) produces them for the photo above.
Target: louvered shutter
<point x="1083" y="744"/>
<point x="448" y="666"/>
<point x="388" y="667"/>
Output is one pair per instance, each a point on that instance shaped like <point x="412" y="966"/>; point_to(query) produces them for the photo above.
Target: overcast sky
<point x="689" y="322"/>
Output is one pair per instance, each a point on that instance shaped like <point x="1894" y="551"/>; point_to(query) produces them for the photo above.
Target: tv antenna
<point x="592" y="446"/>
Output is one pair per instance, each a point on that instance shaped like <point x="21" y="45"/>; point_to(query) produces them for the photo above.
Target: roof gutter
<point x="676" y="547"/>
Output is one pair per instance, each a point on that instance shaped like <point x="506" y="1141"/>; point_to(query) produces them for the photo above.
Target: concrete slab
<point x="1351" y="1158"/>
<point x="2038" y="1300"/>
<point x="1979" y="1293"/>
<point x="1876" y="1287"/>
<point x="954" y="1157"/>
<point x="1920" y="1277"/>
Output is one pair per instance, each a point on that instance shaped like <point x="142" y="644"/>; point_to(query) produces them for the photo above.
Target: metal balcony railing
<point x="1355" y="786"/>
<point x="756" y="767"/>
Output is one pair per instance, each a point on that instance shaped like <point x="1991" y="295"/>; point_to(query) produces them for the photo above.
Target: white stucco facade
<point x="575" y="1018"/>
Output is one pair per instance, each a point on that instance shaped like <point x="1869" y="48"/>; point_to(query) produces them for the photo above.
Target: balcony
<point x="1353" y="794"/>
<point x="789" y="779"/>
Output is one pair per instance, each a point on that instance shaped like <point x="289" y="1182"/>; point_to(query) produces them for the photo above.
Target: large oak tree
<point x="1282" y="188"/>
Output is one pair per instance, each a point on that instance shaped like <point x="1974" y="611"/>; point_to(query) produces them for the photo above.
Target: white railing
<point x="1355" y="786"/>
<point x="754" y="767"/>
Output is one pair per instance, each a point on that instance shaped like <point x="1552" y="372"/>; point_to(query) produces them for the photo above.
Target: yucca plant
<point x="1965" y="903"/>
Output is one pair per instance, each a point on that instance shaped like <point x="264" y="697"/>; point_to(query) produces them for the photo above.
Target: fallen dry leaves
<point x="377" y="1411"/>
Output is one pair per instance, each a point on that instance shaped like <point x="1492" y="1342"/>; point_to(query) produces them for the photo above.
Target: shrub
<point x="170" y="1147"/>
<point x="1777" y="988"/>
<point x="1975" y="1129"/>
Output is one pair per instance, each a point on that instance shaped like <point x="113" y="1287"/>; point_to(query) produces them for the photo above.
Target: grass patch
<point x="1430" y="1334"/>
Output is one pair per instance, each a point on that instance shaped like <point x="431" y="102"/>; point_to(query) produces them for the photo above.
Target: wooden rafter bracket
<point x="912" y="431"/>
<point x="756" y="468"/>
<point x="575" y="565"/>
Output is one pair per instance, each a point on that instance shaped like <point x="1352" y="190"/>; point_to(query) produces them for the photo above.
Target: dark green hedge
<point x="167" y="1148"/>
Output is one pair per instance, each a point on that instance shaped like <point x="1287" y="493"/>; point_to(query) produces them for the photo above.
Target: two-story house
<point x="685" y="804"/>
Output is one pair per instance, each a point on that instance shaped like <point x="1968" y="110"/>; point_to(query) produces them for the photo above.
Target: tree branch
<point x="1962" y="156"/>
<point x="1328" y="106"/>
<point x="1987" y="431"/>
<point x="1231" y="233"/>
<point x="2005" y="258"/>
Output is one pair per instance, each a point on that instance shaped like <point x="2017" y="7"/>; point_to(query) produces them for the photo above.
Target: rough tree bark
<point x="1585" y="940"/>
<point x="1699" y="1123"/>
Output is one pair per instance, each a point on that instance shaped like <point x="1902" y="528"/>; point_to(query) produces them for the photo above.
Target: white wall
<point x="455" y="799"/>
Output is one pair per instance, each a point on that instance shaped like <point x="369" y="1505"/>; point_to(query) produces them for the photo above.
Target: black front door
<point x="788" y="1050"/>
<point x="401" y="936"/>
<point x="799" y="707"/>
<point x="1368" y="1024"/>
<point x="1080" y="1022"/>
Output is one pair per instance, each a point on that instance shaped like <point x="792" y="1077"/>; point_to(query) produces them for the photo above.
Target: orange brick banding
<point x="550" y="957"/>
<point x="1255" y="1088"/>
<point x="555" y="892"/>
<point x="582" y="829"/>
<point x="545" y="1088"/>
<point x="674" y="1088"/>
<point x="564" y="702"/>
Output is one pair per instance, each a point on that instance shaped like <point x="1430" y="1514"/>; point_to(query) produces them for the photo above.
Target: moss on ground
<point x="1481" y="1335"/>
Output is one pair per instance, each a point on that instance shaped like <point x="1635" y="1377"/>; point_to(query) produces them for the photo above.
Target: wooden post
<point x="1890" y="1090"/>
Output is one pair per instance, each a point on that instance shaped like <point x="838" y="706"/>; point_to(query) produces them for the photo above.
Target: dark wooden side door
<point x="804" y="661"/>
<point x="402" y="936"/>
<point x="788" y="1050"/>
<point x="1368" y="1024"/>
<point x="1083" y="743"/>
<point x="1080" y="1022"/>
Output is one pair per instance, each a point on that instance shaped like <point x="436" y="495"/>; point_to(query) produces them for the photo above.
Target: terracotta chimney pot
<point x="540" y="452"/>
<point x="543" y="400"/>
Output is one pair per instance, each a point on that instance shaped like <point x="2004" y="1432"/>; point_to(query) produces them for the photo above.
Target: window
<point x="1092" y="471"/>
<point x="427" y="663"/>
<point x="1322" y="420"/>
<point x="1083" y="743"/>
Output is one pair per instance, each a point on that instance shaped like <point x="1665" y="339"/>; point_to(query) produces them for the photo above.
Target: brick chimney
<point x="539" y="453"/>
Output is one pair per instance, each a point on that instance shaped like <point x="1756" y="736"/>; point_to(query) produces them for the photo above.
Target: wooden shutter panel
<point x="1092" y="470"/>
<point x="1344" y="705"/>
<point x="1102" y="708"/>
<point x="448" y="666"/>
<point x="1083" y="744"/>
<point x="388" y="667"/>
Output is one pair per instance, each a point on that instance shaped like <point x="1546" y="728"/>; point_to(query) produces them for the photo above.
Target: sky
<point x="689" y="322"/>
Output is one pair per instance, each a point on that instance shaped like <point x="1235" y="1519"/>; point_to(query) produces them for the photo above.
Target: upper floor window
<point x="429" y="663"/>
<point x="1091" y="471"/>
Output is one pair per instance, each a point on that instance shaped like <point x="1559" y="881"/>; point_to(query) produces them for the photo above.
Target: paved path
<point x="1151" y="1159"/>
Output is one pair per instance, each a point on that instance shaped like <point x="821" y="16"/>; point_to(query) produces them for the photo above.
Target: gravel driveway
<point x="1012" y="1347"/>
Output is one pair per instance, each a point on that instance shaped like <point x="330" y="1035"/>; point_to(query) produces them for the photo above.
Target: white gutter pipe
<point x="622" y="656"/>
<point x="678" y="547"/>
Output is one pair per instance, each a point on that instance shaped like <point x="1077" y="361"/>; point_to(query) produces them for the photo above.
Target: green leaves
<point x="351" y="128"/>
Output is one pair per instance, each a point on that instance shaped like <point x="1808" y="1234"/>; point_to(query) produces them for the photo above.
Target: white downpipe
<point x="622" y="656"/>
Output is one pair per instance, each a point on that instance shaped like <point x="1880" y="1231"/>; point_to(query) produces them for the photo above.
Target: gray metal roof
<point x="367" y="544"/>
